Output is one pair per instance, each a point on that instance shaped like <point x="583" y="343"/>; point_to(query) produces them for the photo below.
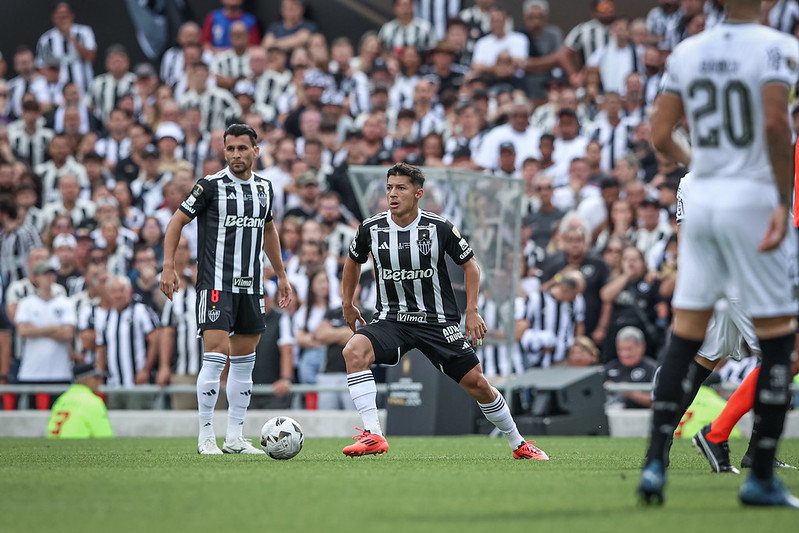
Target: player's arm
<point x="151" y="339"/>
<point x="349" y="282"/>
<point x="667" y="112"/>
<point x="166" y="343"/>
<point x="169" y="276"/>
<point x="780" y="152"/>
<point x="272" y="250"/>
<point x="475" y="326"/>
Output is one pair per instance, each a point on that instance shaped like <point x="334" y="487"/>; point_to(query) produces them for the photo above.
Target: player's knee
<point x="357" y="355"/>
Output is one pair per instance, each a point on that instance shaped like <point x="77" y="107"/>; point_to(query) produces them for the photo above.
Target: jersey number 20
<point x="735" y="102"/>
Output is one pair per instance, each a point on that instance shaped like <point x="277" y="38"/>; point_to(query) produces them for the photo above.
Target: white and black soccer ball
<point x="281" y="437"/>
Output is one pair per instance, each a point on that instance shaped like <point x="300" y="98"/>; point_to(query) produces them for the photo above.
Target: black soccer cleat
<point x="746" y="461"/>
<point x="717" y="454"/>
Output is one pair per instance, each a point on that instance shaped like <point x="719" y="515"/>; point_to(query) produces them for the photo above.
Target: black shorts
<point x="234" y="312"/>
<point x="444" y="345"/>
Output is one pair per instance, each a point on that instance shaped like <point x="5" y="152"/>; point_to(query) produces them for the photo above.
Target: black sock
<point x="771" y="399"/>
<point x="697" y="374"/>
<point x="672" y="386"/>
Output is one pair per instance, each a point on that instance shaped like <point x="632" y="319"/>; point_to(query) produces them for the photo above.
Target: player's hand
<point x="353" y="316"/>
<point x="284" y="292"/>
<point x="777" y="227"/>
<point x="475" y="328"/>
<point x="142" y="377"/>
<point x="169" y="282"/>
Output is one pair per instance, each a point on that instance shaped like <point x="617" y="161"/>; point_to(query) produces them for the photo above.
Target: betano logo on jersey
<point x="402" y="275"/>
<point x="232" y="221"/>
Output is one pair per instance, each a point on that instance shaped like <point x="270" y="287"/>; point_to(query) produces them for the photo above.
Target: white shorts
<point x="725" y="221"/>
<point x="728" y="326"/>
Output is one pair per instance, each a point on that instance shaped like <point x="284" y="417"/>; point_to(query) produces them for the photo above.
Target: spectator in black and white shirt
<point x="216" y="105"/>
<point x="233" y="64"/>
<point x="780" y="14"/>
<point x="70" y="45"/>
<point x="115" y="146"/>
<point x="28" y="136"/>
<point x="661" y="16"/>
<point x="406" y="29"/>
<point x="588" y="37"/>
<point x="61" y="163"/>
<point x="70" y="203"/>
<point x="128" y="344"/>
<point x="106" y="89"/>
<point x="27" y="80"/>
<point x="173" y="67"/>
<point x="17" y="241"/>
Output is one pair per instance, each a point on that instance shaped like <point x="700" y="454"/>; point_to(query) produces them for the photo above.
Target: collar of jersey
<point x="405" y="228"/>
<point x="238" y="180"/>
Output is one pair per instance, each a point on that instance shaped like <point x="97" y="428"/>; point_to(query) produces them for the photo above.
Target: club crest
<point x="213" y="314"/>
<point x="262" y="196"/>
<point x="424" y="243"/>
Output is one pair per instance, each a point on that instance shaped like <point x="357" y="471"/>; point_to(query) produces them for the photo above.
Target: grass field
<point x="430" y="484"/>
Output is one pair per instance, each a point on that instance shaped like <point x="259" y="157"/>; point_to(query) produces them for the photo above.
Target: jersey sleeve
<point x="148" y="319"/>
<point x="198" y="199"/>
<point x="456" y="246"/>
<point x="682" y="190"/>
<point x="270" y="214"/>
<point x="360" y="245"/>
<point x="782" y="62"/>
<point x="573" y="38"/>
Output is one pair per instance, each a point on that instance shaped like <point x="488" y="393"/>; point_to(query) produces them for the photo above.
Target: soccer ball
<point x="281" y="437"/>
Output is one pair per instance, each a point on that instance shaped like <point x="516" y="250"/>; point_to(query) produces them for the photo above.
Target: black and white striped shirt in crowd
<point x="216" y="105"/>
<point x="105" y="91"/>
<point x="657" y="22"/>
<point x="112" y="150"/>
<point x="195" y="153"/>
<point x="15" y="246"/>
<point x="418" y="33"/>
<point x="784" y="15"/>
<point x="124" y="337"/>
<point x="18" y="86"/>
<point x="413" y="283"/>
<point x="231" y="65"/>
<point x="437" y="12"/>
<point x="172" y="67"/>
<point x="552" y="327"/>
<point x="179" y="314"/>
<point x="90" y="317"/>
<point x="52" y="44"/>
<point x="269" y="86"/>
<point x="586" y="38"/>
<point x="32" y="149"/>
<point x="231" y="217"/>
<point x="495" y="358"/>
<point x="51" y="176"/>
<point x="81" y="213"/>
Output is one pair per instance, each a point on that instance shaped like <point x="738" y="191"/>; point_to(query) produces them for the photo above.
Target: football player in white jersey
<point x="732" y="83"/>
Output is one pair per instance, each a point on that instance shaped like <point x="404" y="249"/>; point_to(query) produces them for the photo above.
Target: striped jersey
<point x="418" y="33"/>
<point x="187" y="349"/>
<point x="124" y="337"/>
<point x="552" y="328"/>
<point x="53" y="45"/>
<point x="231" y="215"/>
<point x="105" y="91"/>
<point x="413" y="284"/>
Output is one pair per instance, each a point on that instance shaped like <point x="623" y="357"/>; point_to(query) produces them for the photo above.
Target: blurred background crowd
<point x="96" y="154"/>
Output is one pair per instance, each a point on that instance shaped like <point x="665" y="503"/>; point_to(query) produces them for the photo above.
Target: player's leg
<point x="497" y="412"/>
<point x="248" y="324"/>
<point x="217" y="348"/>
<point x="359" y="354"/>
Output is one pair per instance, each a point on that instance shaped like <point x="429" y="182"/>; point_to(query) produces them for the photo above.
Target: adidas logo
<point x="207" y="424"/>
<point x="466" y="345"/>
<point x="383" y="246"/>
<point x="209" y="393"/>
<point x="231" y="196"/>
<point x="246" y="393"/>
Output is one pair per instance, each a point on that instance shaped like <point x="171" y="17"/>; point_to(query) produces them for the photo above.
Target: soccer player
<point x="732" y="83"/>
<point x="234" y="212"/>
<point x="416" y="309"/>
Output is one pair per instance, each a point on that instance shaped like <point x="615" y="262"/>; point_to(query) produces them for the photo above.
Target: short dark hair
<point x="237" y="129"/>
<point x="405" y="169"/>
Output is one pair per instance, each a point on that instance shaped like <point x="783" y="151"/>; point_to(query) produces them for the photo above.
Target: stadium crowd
<point x="92" y="167"/>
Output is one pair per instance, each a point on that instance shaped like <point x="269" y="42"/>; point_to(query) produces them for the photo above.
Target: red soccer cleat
<point x="528" y="451"/>
<point x="368" y="444"/>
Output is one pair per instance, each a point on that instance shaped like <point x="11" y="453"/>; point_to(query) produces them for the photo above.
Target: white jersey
<point x="719" y="74"/>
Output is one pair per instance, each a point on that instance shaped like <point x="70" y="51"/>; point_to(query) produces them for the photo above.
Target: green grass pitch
<point x="424" y="484"/>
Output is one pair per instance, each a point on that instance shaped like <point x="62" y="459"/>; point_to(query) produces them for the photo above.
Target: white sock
<point x="208" y="391"/>
<point x="497" y="413"/>
<point x="363" y="392"/>
<point x="239" y="392"/>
